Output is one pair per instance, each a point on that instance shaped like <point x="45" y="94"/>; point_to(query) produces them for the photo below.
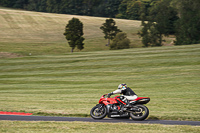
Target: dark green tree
<point x="74" y="6"/>
<point x="144" y="33"/>
<point x="165" y="17"/>
<point x="53" y="6"/>
<point x="112" y="8"/>
<point x="149" y="34"/>
<point x="32" y="5"/>
<point x="120" y="41"/>
<point x="20" y="4"/>
<point x="122" y="10"/>
<point x="88" y="6"/>
<point x="42" y="6"/>
<point x="99" y="10"/>
<point x="7" y="3"/>
<point x="188" y="26"/>
<point x="134" y="9"/>
<point x="110" y="29"/>
<point x="74" y="33"/>
<point x="160" y="23"/>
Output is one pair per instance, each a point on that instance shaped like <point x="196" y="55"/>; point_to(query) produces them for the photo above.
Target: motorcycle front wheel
<point x="141" y="114"/>
<point x="98" y="112"/>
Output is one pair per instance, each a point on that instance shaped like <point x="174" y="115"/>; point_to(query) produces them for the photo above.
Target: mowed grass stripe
<point x="86" y="70"/>
<point x="170" y="78"/>
<point x="103" y="72"/>
<point x="66" y="59"/>
<point x="98" y="64"/>
<point x="93" y="58"/>
<point x="136" y="53"/>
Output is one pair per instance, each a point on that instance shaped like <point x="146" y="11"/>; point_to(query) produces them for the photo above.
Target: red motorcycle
<point x="113" y="107"/>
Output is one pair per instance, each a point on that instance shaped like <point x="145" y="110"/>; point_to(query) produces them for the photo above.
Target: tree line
<point x="126" y="9"/>
<point x="99" y="8"/>
<point x="74" y="34"/>
<point x="159" y="17"/>
<point x="171" y="17"/>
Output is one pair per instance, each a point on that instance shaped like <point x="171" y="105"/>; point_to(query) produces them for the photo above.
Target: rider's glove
<point x="109" y="94"/>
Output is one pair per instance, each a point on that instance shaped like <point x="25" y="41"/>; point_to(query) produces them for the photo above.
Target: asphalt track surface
<point x="108" y="120"/>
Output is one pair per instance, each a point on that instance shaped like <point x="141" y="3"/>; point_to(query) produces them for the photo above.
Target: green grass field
<point x="52" y="81"/>
<point x="86" y="127"/>
<point x="72" y="84"/>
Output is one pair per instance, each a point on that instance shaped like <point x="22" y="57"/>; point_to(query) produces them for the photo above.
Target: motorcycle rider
<point x="127" y="94"/>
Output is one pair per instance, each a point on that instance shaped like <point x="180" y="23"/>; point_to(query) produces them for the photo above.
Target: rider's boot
<point x="121" y="109"/>
<point x="124" y="107"/>
<point x="127" y="103"/>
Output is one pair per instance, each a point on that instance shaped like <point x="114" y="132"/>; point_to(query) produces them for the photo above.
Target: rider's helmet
<point x="122" y="86"/>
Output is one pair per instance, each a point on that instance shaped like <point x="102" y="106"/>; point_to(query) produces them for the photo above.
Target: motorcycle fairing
<point x="107" y="101"/>
<point x="140" y="100"/>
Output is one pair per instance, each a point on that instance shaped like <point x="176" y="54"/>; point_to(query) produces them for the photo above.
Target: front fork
<point x="100" y="107"/>
<point x="108" y="107"/>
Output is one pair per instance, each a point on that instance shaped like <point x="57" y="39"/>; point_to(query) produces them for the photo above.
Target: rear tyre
<point x="141" y="114"/>
<point x="98" y="112"/>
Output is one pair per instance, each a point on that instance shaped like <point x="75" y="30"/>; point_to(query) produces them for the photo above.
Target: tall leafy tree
<point x="99" y="10"/>
<point x="160" y="23"/>
<point x="110" y="29"/>
<point x="165" y="16"/>
<point x="134" y="9"/>
<point x="149" y="34"/>
<point x="7" y="3"/>
<point x="75" y="6"/>
<point x="122" y="10"/>
<point x="88" y="6"/>
<point x="32" y="5"/>
<point x="112" y="8"/>
<point x="42" y="6"/>
<point x="54" y="6"/>
<point x="20" y="3"/>
<point x="188" y="26"/>
<point x="74" y="34"/>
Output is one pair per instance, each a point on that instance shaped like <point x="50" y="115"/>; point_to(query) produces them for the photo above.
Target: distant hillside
<point x="19" y="26"/>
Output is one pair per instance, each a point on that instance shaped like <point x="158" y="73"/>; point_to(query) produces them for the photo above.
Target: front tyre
<point x="98" y="112"/>
<point x="141" y="114"/>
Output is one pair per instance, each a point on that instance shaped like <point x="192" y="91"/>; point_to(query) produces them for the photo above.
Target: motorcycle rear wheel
<point x="140" y="115"/>
<point x="97" y="113"/>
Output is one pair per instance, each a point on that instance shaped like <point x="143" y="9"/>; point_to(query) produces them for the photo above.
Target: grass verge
<point x="87" y="127"/>
<point x="72" y="84"/>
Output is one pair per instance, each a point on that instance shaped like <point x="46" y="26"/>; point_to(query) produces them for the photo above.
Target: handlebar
<point x="106" y="96"/>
